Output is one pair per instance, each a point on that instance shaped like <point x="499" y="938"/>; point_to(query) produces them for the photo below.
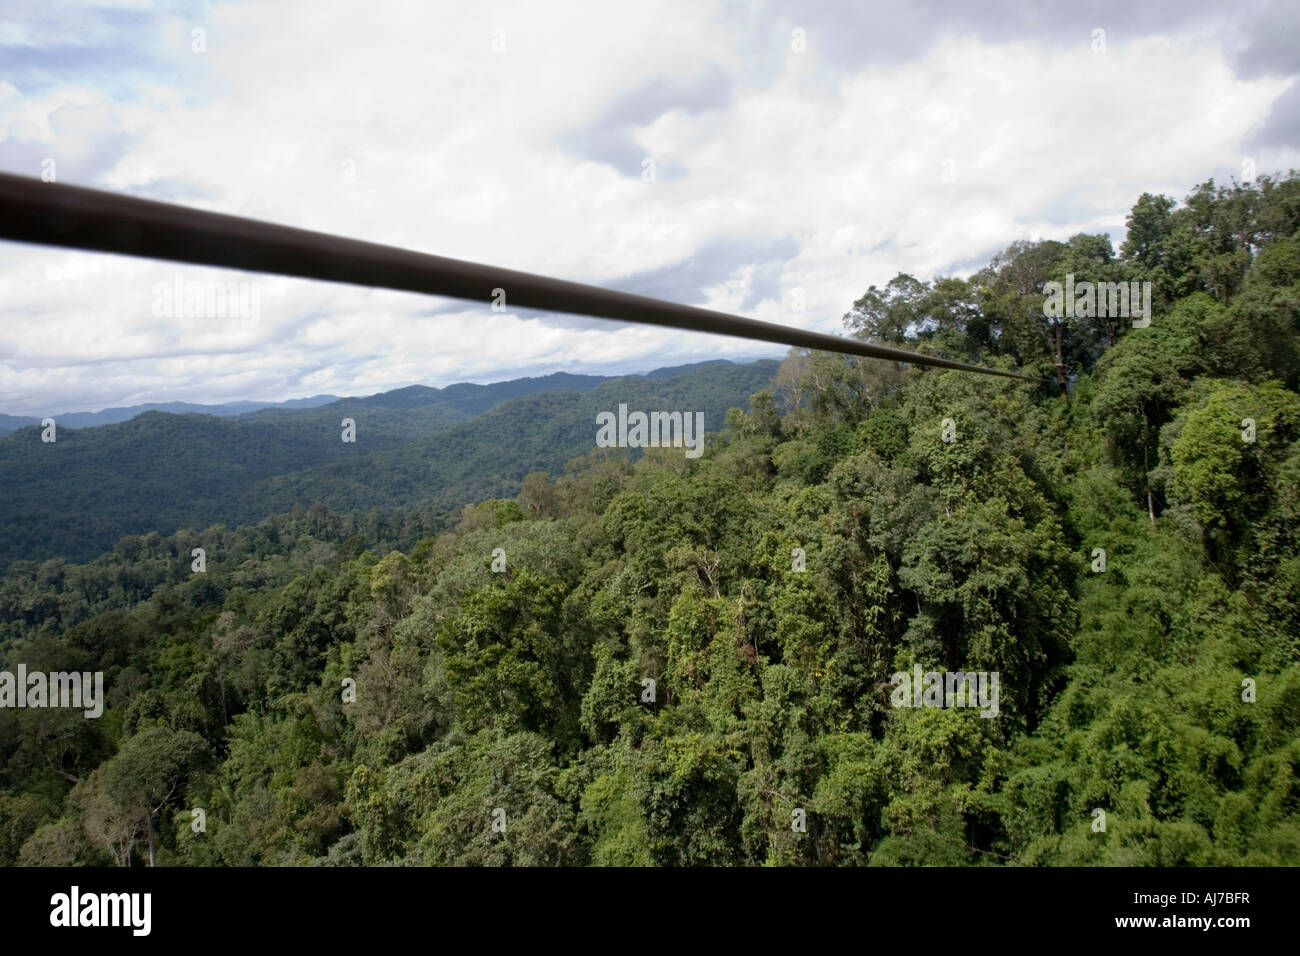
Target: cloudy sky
<point x="814" y="146"/>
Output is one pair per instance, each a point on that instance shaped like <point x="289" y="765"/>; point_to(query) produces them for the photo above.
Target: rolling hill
<point x="161" y="472"/>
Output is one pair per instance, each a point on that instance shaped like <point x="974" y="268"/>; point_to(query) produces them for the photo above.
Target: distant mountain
<point x="465" y="397"/>
<point x="672" y="371"/>
<point x="9" y="423"/>
<point x="459" y="401"/>
<point x="489" y="455"/>
<point x="112" y="416"/>
<point x="163" y="472"/>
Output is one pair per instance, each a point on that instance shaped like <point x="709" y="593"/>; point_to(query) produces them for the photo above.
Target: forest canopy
<point x="677" y="661"/>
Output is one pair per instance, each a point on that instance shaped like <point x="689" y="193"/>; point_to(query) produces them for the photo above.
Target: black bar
<point x="959" y="909"/>
<point x="73" y="216"/>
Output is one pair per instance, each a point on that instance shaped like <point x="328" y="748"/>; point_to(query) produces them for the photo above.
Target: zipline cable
<point x="75" y="217"/>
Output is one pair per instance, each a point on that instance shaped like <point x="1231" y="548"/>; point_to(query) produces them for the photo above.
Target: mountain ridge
<point x="461" y="394"/>
<point x="164" y="472"/>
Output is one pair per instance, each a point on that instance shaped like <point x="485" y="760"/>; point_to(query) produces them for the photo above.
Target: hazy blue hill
<point x="10" y="422"/>
<point x="112" y="416"/>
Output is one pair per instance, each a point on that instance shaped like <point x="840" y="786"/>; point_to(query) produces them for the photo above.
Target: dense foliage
<point x="1150" y="696"/>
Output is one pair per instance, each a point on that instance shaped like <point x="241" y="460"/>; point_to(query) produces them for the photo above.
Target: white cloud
<point x="457" y="150"/>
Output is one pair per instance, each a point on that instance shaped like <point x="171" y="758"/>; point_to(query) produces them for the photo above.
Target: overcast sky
<point x="815" y="146"/>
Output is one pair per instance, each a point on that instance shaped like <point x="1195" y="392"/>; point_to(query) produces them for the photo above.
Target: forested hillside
<point x="490" y="455"/>
<point x="74" y="497"/>
<point x="1124" y="552"/>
